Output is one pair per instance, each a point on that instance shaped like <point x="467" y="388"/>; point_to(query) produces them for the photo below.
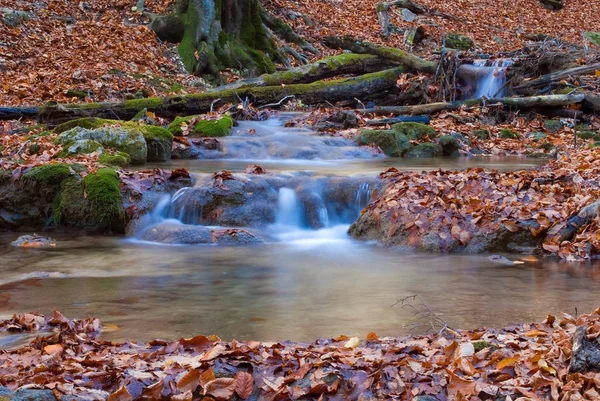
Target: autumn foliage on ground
<point x="523" y="362"/>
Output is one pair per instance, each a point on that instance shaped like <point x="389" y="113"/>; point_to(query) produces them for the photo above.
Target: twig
<point x="213" y="103"/>
<point x="361" y="103"/>
<point x="278" y="103"/>
<point x="423" y="312"/>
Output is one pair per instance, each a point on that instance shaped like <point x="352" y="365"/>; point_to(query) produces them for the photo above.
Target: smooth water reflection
<point x="301" y="289"/>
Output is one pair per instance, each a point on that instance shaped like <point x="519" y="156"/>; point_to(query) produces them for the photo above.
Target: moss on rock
<point x="507" y="133"/>
<point x="588" y="135"/>
<point x="449" y="145"/>
<point x="481" y="134"/>
<point x="426" y="149"/>
<point x="202" y="128"/>
<point x="553" y="125"/>
<point x="593" y="37"/>
<point x="459" y="41"/>
<point x="104" y="195"/>
<point x="49" y="173"/>
<point x="390" y="142"/>
<point x="415" y="130"/>
<point x="119" y="159"/>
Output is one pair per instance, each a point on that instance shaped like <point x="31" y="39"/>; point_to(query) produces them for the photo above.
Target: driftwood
<point x="364" y="88"/>
<point x="558" y="75"/>
<point x="513" y="102"/>
<point x="388" y="53"/>
<point x="354" y="64"/>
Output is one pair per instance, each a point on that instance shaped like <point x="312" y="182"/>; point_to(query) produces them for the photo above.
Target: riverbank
<point x="534" y="361"/>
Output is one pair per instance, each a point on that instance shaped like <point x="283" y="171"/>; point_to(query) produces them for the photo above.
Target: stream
<point x="308" y="279"/>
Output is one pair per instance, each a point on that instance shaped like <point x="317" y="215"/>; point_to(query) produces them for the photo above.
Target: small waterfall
<point x="493" y="81"/>
<point x="289" y="210"/>
<point x="324" y="216"/>
<point x="363" y="196"/>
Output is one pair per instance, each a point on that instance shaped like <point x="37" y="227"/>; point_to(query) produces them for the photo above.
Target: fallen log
<point x="513" y="102"/>
<point x="285" y="31"/>
<point x="592" y="102"/>
<point x="400" y="119"/>
<point x="557" y="76"/>
<point x="409" y="60"/>
<point x="355" y="64"/>
<point x="364" y="88"/>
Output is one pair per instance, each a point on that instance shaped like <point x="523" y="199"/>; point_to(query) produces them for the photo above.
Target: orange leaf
<point x="372" y="336"/>
<point x="53" y="349"/>
<point x="535" y="333"/>
<point x="507" y="362"/>
<point x="120" y="395"/>
<point x="244" y="384"/>
<point x="207" y="376"/>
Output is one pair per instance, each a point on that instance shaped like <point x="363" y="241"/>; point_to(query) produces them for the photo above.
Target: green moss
<point x="49" y="173"/>
<point x="480" y="134"/>
<point x="5" y="175"/>
<point x="104" y="195"/>
<point x="202" y="128"/>
<point x="481" y="345"/>
<point x="459" y="41"/>
<point x="537" y="136"/>
<point x="449" y="144"/>
<point x="86" y="122"/>
<point x="415" y="130"/>
<point x="547" y="146"/>
<point x="593" y="37"/>
<point x="34" y="149"/>
<point x="77" y="93"/>
<point x="565" y="91"/>
<point x="150" y="103"/>
<point x="553" y="125"/>
<point x="149" y="131"/>
<point x="588" y="135"/>
<point x="70" y="196"/>
<point x="426" y="149"/>
<point x="507" y="133"/>
<point x="390" y="142"/>
<point x="119" y="159"/>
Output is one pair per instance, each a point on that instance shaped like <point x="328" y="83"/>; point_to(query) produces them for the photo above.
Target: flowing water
<point x="308" y="280"/>
<point x="493" y="81"/>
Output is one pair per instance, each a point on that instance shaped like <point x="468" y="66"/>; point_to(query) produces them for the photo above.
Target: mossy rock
<point x="159" y="141"/>
<point x="202" y="128"/>
<point x="507" y="133"/>
<point x="390" y="142"/>
<point x="49" y="173"/>
<point x="546" y="146"/>
<point x="459" y="41"/>
<point x="5" y="175"/>
<point x="450" y="145"/>
<point x="564" y="91"/>
<point x="553" y="125"/>
<point x="593" y="37"/>
<point x="104" y="195"/>
<point x="426" y="149"/>
<point x="82" y="147"/>
<point x="118" y="159"/>
<point x="415" y="130"/>
<point x="537" y="136"/>
<point x="128" y="140"/>
<point x="588" y="135"/>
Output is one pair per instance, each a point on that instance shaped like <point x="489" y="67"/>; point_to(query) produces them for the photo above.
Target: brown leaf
<point x="152" y="392"/>
<point x="244" y="384"/>
<point x="372" y="336"/>
<point x="189" y="382"/>
<point x="187" y="396"/>
<point x="198" y="343"/>
<point x="221" y="389"/>
<point x="207" y="376"/>
<point x="53" y="349"/>
<point x="120" y="395"/>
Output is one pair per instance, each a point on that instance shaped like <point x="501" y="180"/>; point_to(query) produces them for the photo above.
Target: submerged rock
<point x="33" y="241"/>
<point x="177" y="233"/>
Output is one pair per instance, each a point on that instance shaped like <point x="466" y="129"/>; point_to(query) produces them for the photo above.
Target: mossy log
<point x="513" y="102"/>
<point x="364" y="87"/>
<point x="285" y="31"/>
<point x="388" y="53"/>
<point x="354" y="64"/>
<point x="557" y="76"/>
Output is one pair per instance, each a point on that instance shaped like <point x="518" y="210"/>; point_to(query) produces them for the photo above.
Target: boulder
<point x="12" y="17"/>
<point x="415" y="130"/>
<point x="390" y="142"/>
<point x="450" y="145"/>
<point x="168" y="28"/>
<point x="26" y="395"/>
<point x="426" y="149"/>
<point x="83" y="146"/>
<point x="197" y="127"/>
<point x="126" y="140"/>
<point x="552" y="4"/>
<point x="459" y="41"/>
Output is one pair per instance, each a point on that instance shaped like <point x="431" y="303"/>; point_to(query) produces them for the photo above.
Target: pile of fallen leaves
<point x="458" y="209"/>
<point x="523" y="362"/>
<point x="495" y="25"/>
<point x="100" y="49"/>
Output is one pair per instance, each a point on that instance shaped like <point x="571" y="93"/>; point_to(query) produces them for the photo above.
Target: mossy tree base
<point x="218" y="34"/>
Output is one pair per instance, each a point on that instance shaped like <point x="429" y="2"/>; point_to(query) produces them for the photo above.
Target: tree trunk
<point x="363" y="88"/>
<point x="218" y="34"/>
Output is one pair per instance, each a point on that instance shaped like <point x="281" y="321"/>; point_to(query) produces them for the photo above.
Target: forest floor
<point x="519" y="363"/>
